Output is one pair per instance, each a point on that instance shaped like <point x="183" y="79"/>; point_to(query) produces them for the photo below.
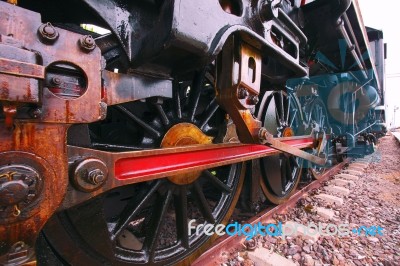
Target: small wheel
<point x="149" y="223"/>
<point x="280" y="174"/>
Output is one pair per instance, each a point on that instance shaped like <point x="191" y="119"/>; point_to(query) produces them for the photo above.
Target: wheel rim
<point x="147" y="223"/>
<point x="280" y="174"/>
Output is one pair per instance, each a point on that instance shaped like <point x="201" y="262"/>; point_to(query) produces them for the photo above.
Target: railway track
<point x="343" y="176"/>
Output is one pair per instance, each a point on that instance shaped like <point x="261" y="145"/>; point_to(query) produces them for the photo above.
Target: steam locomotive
<point x="111" y="142"/>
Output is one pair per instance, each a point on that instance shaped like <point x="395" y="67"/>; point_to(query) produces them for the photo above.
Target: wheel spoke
<point x="210" y="111"/>
<point x="280" y="108"/>
<point x="284" y="172"/>
<point x="133" y="208"/>
<point x="140" y="122"/>
<point x="177" y="101"/>
<point x="202" y="203"/>
<point x="290" y="169"/>
<point x="318" y="115"/>
<point x="181" y="211"/>
<point x="162" y="114"/>
<point x="293" y="118"/>
<point x="155" y="224"/>
<point x="279" y="111"/>
<point x="216" y="182"/>
<point x="195" y="94"/>
<point x="288" y="112"/>
<point x="293" y="164"/>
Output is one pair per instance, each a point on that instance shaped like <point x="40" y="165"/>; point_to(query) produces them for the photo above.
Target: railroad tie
<point x="361" y="165"/>
<point x="343" y="183"/>
<point x="347" y="177"/>
<point x="325" y="213"/>
<point x="262" y="256"/>
<point x="338" y="190"/>
<point x="351" y="172"/>
<point x="330" y="199"/>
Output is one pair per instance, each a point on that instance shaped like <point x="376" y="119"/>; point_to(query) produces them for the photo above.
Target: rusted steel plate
<point x="122" y="88"/>
<point x="28" y="146"/>
<point x="18" y="89"/>
<point x="23" y="25"/>
<point x="17" y="68"/>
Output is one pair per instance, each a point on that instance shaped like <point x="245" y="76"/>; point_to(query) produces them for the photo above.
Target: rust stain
<point x="29" y="135"/>
<point x="24" y="136"/>
<point x="28" y="92"/>
<point x="4" y="90"/>
<point x="67" y="111"/>
<point x="17" y="137"/>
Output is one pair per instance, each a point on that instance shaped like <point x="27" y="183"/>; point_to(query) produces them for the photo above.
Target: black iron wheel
<point x="317" y="118"/>
<point x="280" y="174"/>
<point x="148" y="223"/>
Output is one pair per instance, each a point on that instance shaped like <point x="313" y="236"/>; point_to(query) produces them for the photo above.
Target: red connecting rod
<point x="156" y="164"/>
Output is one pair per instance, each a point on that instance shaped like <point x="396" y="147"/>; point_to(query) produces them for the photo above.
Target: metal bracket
<point x="239" y="71"/>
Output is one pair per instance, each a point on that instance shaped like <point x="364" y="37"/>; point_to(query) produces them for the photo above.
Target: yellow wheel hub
<point x="288" y="132"/>
<point x="185" y="134"/>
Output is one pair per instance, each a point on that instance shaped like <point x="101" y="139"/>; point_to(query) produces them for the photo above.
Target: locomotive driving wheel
<point x="317" y="118"/>
<point x="152" y="223"/>
<point x="280" y="174"/>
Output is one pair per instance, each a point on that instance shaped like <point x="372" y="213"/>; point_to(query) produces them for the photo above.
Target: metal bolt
<point x="35" y="112"/>
<point x="56" y="81"/>
<point x="253" y="100"/>
<point x="89" y="174"/>
<point x="96" y="177"/>
<point x="243" y="93"/>
<point x="87" y="43"/>
<point x="29" y="181"/>
<point x="30" y="197"/>
<point x="48" y="32"/>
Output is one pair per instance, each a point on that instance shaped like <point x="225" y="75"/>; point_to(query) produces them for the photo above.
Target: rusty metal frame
<point x="121" y="88"/>
<point x="23" y="25"/>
